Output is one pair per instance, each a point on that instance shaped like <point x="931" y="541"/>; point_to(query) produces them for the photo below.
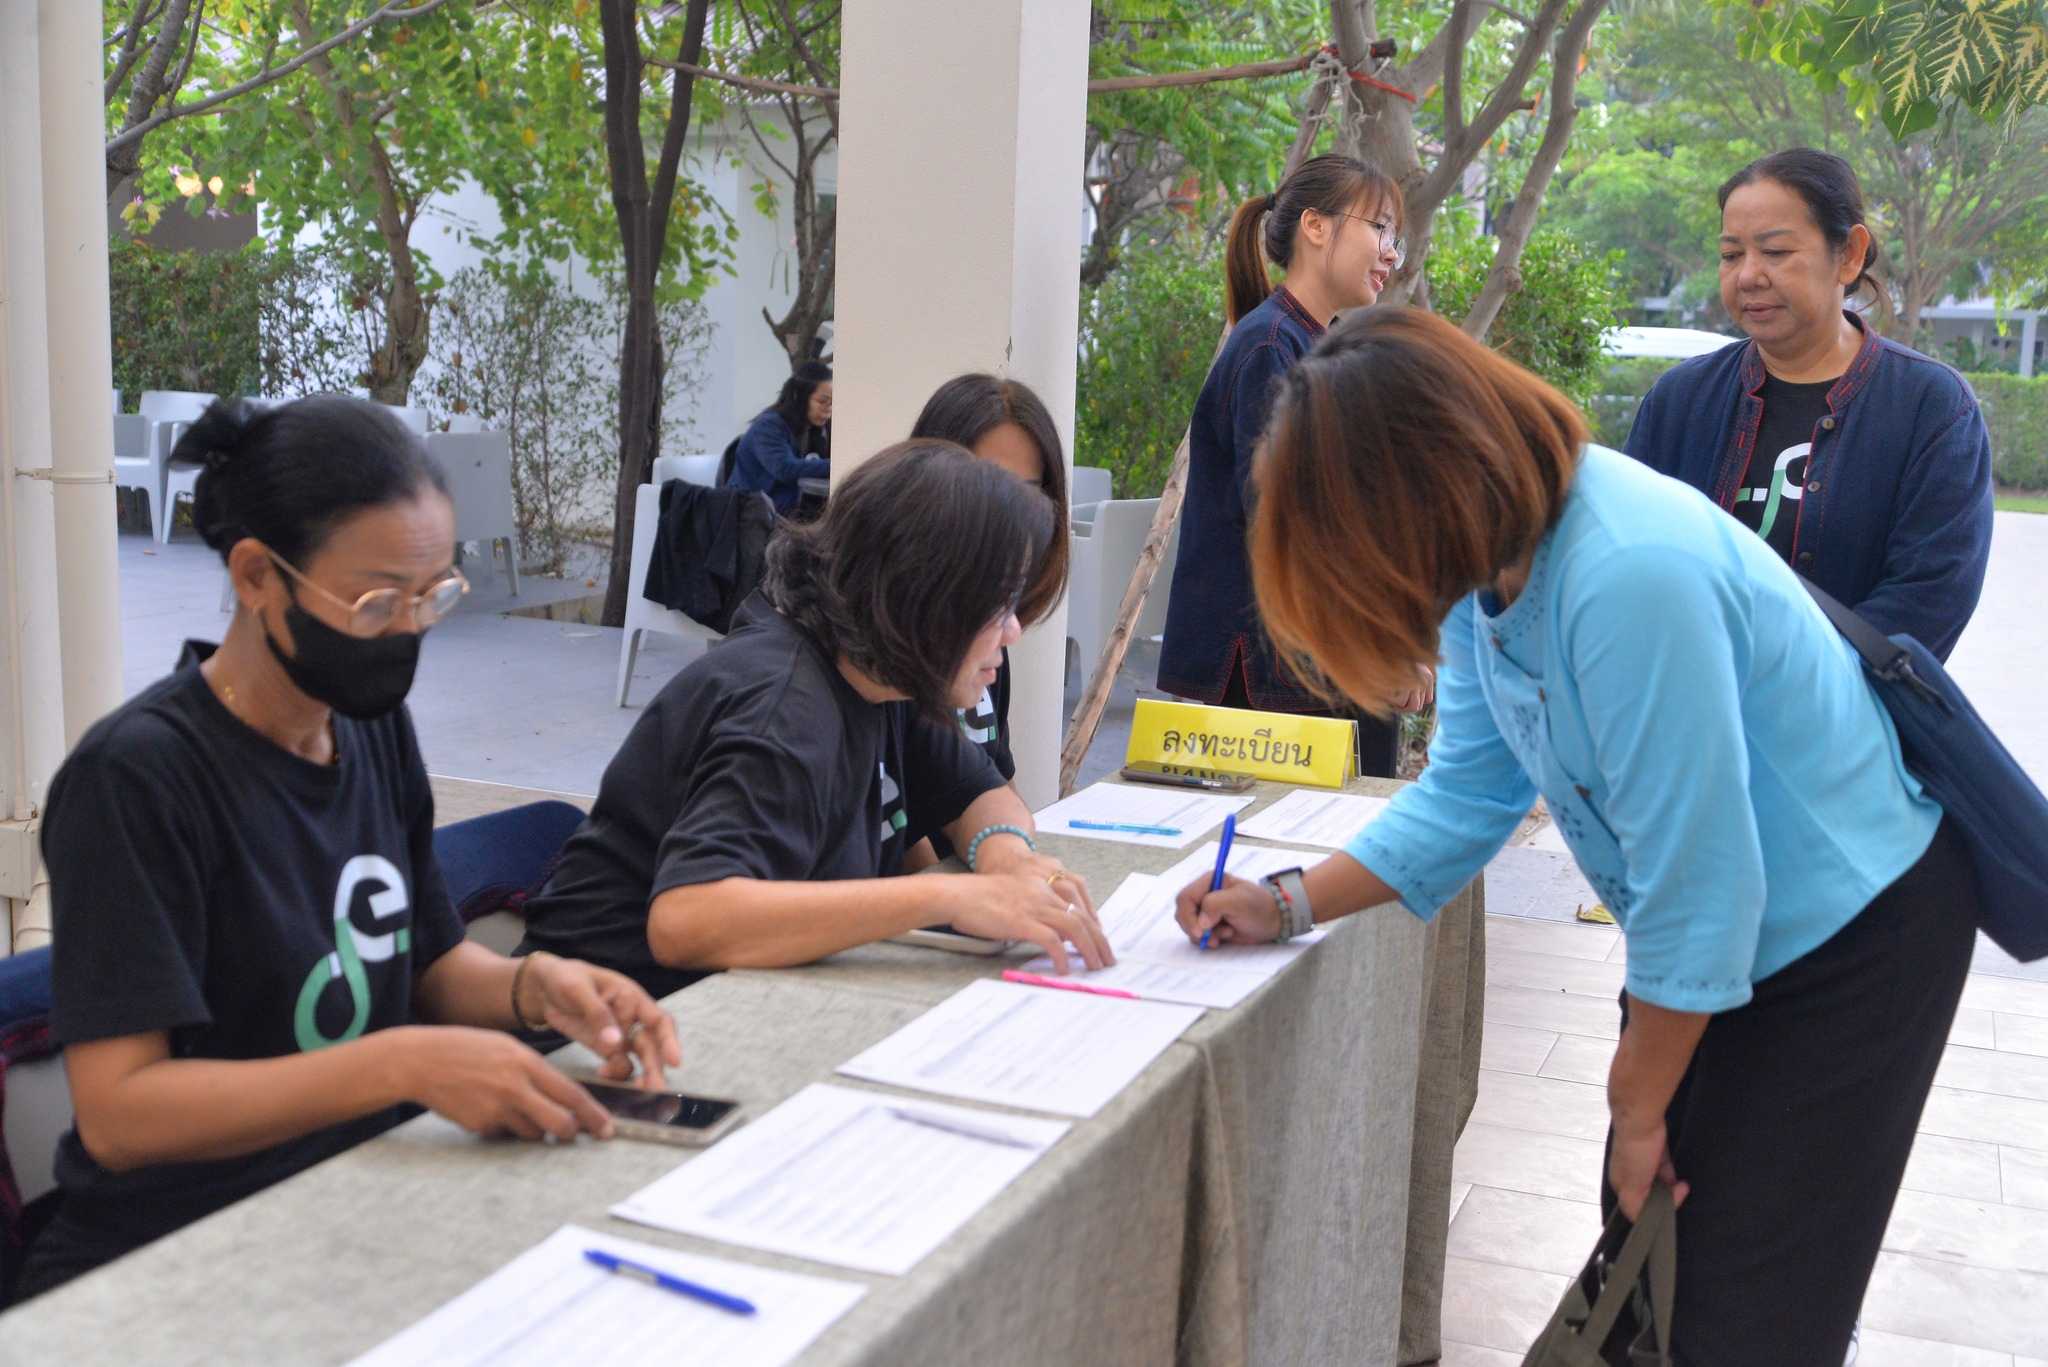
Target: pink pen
<point x="1018" y="975"/>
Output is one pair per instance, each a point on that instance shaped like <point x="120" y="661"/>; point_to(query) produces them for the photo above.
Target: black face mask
<point x="359" y="677"/>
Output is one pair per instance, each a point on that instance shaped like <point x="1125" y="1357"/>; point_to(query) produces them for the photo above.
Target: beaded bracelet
<point x="974" y="845"/>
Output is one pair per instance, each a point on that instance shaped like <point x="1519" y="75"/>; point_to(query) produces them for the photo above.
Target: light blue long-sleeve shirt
<point x="1704" y="739"/>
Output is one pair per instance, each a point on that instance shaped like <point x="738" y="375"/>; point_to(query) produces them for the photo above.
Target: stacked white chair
<point x="643" y="614"/>
<point x="479" y="470"/>
<point x="1105" y="551"/>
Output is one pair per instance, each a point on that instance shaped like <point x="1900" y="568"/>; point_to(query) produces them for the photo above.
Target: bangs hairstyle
<point x="1404" y="465"/>
<point x="918" y="551"/>
<point x="967" y="408"/>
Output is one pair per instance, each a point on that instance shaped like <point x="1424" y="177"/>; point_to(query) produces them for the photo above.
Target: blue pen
<point x="1123" y="826"/>
<point x="654" y="1276"/>
<point x="1222" y="861"/>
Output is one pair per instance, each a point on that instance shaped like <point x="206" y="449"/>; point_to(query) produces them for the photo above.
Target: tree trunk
<point x="643" y="228"/>
<point x="147" y="89"/>
<point x="1504" y="277"/>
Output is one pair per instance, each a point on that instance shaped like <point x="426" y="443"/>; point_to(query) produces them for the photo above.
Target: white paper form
<point x="1064" y="1052"/>
<point x="1311" y="818"/>
<point x="841" y="1176"/>
<point x="1129" y="915"/>
<point x="1186" y="810"/>
<point x="550" y="1305"/>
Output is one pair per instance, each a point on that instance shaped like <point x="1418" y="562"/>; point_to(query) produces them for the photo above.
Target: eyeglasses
<point x="374" y="612"/>
<point x="1385" y="230"/>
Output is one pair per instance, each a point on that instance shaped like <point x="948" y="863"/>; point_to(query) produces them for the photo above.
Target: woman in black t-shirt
<point x="1004" y="423"/>
<point x="250" y="928"/>
<point x="756" y="812"/>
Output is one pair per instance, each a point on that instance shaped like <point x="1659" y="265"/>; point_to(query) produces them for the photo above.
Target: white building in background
<point x="745" y="365"/>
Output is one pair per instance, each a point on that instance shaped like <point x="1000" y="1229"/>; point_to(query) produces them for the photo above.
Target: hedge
<point x="2015" y="410"/>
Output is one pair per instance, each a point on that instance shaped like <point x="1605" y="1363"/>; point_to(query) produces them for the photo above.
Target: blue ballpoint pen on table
<point x="1123" y="827"/>
<point x="654" y="1276"/>
<point x="1222" y="861"/>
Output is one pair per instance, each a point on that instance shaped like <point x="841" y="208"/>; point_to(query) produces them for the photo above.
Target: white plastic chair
<point x="697" y="469"/>
<point x="479" y="470"/>
<point x="1091" y="484"/>
<point x="414" y="418"/>
<point x="167" y="413"/>
<point x="642" y="612"/>
<point x="1104" y="553"/>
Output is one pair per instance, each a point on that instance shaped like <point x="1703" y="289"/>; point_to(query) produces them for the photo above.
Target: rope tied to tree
<point x="1329" y="57"/>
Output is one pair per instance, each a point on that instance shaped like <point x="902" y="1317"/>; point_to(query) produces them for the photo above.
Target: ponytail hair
<point x="1263" y="228"/>
<point x="289" y="476"/>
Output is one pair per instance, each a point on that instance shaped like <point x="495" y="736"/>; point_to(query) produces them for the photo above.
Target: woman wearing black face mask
<point x="256" y="964"/>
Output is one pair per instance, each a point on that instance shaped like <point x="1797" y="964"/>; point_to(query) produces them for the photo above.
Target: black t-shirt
<point x="207" y="883"/>
<point x="987" y="724"/>
<point x="757" y="761"/>
<point x="1768" y="501"/>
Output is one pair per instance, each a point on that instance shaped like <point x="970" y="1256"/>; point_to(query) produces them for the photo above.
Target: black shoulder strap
<point x="1879" y="652"/>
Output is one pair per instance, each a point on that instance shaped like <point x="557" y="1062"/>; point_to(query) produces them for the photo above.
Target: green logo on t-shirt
<point x="353" y="949"/>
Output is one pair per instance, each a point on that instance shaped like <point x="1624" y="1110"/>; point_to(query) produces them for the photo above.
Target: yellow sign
<point x="1316" y="751"/>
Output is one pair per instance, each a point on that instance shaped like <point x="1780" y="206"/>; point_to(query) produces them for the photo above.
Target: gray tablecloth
<point x="1251" y="1198"/>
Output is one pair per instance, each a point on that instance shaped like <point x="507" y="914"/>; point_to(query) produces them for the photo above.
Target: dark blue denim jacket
<point x="770" y="463"/>
<point x="1212" y="620"/>
<point x="1895" y="519"/>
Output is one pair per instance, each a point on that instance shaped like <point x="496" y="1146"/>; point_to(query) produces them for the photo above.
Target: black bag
<point x="1618" y="1309"/>
<point x="2001" y="815"/>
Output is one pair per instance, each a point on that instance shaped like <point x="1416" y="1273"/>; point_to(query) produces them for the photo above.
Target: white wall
<point x="745" y="365"/>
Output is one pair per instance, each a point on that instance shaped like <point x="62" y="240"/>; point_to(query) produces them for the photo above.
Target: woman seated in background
<point x="757" y="811"/>
<point x="1798" y="915"/>
<point x="1004" y="423"/>
<point x="790" y="440"/>
<point x="1863" y="464"/>
<point x="255" y="960"/>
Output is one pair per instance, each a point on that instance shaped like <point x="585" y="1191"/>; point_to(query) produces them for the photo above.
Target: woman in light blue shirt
<point x="1798" y="918"/>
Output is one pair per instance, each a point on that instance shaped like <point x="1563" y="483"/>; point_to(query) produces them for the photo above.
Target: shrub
<point x="1619" y="393"/>
<point x="528" y="355"/>
<point x="254" y="321"/>
<point x="1554" y="322"/>
<point x="2016" y="411"/>
<point x="1148" y="334"/>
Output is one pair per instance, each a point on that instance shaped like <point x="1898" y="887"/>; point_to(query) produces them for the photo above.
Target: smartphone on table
<point x="664" y="1117"/>
<point x="1179" y="776"/>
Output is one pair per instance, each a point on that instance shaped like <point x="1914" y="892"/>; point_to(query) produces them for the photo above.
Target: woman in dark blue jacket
<point x="790" y="440"/>
<point x="1863" y="463"/>
<point x="1332" y="228"/>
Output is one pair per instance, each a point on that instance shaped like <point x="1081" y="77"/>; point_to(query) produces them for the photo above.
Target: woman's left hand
<point x="1637" y="1161"/>
<point x="1422" y="695"/>
<point x="607" y="1013"/>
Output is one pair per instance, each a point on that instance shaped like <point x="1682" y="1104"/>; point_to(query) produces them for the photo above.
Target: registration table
<point x="1248" y="1199"/>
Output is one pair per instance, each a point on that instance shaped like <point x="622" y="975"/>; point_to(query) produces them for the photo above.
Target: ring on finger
<point x="1055" y="876"/>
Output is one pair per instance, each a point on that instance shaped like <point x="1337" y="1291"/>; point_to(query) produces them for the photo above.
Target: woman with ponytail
<point x="256" y="964"/>
<point x="1865" y="465"/>
<point x="1333" y="230"/>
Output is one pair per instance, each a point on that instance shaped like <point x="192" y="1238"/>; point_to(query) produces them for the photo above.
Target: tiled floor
<point x="1963" y="1279"/>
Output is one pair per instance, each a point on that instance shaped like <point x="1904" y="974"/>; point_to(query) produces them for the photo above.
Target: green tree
<point x="352" y="143"/>
<point x="1682" y="110"/>
<point x="1909" y="61"/>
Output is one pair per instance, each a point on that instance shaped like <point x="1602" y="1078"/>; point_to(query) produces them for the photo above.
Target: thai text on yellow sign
<point x="1317" y="751"/>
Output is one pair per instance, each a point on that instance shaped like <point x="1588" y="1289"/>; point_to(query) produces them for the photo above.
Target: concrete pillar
<point x="959" y="246"/>
<point x="81" y="356"/>
<point x="2029" y="333"/>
